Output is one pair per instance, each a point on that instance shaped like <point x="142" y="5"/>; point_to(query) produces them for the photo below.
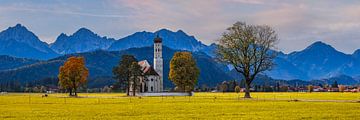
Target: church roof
<point x="151" y="71"/>
<point x="157" y="39"/>
<point x="147" y="68"/>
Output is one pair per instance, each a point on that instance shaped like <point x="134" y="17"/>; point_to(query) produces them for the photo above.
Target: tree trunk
<point x="75" y="92"/>
<point x="128" y="88"/>
<point x="134" y="88"/>
<point x="247" y="90"/>
<point x="70" y="92"/>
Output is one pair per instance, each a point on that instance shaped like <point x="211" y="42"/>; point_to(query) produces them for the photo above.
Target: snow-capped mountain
<point x="18" y="41"/>
<point x="82" y="40"/>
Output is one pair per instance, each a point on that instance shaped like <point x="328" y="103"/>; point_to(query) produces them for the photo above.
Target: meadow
<point x="201" y="106"/>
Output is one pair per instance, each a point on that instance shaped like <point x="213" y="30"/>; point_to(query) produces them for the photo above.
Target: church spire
<point x="157" y="39"/>
<point x="158" y="60"/>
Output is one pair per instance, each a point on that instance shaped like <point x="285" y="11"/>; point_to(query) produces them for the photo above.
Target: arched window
<point x="152" y="89"/>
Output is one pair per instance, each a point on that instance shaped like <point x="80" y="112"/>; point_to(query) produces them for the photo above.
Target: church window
<point x="152" y="89"/>
<point x="152" y="79"/>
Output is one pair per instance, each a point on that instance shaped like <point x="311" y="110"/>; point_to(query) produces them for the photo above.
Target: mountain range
<point x="18" y="41"/>
<point x="317" y="61"/>
<point x="82" y="40"/>
<point x="23" y="51"/>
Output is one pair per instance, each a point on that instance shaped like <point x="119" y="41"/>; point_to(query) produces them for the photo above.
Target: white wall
<point x="166" y="94"/>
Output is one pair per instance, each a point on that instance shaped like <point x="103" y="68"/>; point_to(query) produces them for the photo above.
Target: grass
<point x="201" y="106"/>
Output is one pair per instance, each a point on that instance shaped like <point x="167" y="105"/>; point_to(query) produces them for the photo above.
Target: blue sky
<point x="298" y="22"/>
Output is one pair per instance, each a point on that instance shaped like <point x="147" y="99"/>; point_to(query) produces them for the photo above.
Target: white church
<point x="152" y="79"/>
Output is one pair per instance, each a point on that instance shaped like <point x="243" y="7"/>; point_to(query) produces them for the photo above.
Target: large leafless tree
<point x="248" y="49"/>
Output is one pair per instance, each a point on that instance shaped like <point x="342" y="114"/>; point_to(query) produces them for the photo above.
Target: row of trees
<point x="183" y="73"/>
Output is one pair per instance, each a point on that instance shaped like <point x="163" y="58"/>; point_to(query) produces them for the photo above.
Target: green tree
<point x="237" y="89"/>
<point x="73" y="74"/>
<point x="183" y="71"/>
<point x="224" y="86"/>
<point x="122" y="73"/>
<point x="335" y="84"/>
<point x="135" y="73"/>
<point x="248" y="49"/>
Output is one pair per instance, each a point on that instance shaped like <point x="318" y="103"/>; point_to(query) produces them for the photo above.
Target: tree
<point x="283" y="88"/>
<point x="73" y="74"/>
<point x="335" y="84"/>
<point x="310" y="88"/>
<point x="232" y="85"/>
<point x="237" y="89"/>
<point x="248" y="49"/>
<point x="122" y="73"/>
<point x="135" y="73"/>
<point x="342" y="88"/>
<point x="224" y="86"/>
<point x="183" y="71"/>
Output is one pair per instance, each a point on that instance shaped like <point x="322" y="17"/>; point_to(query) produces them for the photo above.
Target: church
<point x="152" y="79"/>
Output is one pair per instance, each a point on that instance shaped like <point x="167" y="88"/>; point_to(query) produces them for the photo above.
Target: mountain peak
<point x="163" y="30"/>
<point x="18" y="27"/>
<point x="357" y="52"/>
<point x="63" y="34"/>
<point x="84" y="31"/>
<point x="320" y="46"/>
<point x="180" y="31"/>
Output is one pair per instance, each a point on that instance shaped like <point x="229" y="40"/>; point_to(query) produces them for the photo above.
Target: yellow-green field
<point x="201" y="106"/>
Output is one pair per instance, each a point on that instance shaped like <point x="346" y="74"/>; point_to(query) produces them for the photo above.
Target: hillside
<point x="100" y="64"/>
<point x="8" y="62"/>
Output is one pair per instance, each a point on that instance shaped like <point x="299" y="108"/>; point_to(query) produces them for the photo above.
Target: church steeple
<point x="157" y="39"/>
<point x="158" y="60"/>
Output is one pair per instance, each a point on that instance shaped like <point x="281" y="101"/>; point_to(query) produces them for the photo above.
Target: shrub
<point x="237" y="89"/>
<point x="341" y="88"/>
<point x="310" y="88"/>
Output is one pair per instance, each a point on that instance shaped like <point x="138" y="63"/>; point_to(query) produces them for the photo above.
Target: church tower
<point x="158" y="60"/>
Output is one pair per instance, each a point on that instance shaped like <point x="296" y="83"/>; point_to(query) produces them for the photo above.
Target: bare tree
<point x="248" y="49"/>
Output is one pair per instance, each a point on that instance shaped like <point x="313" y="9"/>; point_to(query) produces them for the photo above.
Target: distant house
<point x="318" y="89"/>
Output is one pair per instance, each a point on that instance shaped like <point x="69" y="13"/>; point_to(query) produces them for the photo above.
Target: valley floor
<point x="201" y="106"/>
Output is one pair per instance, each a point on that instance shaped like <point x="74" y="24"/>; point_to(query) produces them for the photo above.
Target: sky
<point x="298" y="23"/>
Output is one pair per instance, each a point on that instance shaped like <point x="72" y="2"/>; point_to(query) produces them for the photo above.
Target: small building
<point x="151" y="80"/>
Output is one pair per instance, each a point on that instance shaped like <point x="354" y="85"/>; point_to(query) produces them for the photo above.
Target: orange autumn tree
<point x="73" y="74"/>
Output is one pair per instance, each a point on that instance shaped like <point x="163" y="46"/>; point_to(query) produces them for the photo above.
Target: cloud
<point x="59" y="11"/>
<point x="248" y="1"/>
<point x="298" y="22"/>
